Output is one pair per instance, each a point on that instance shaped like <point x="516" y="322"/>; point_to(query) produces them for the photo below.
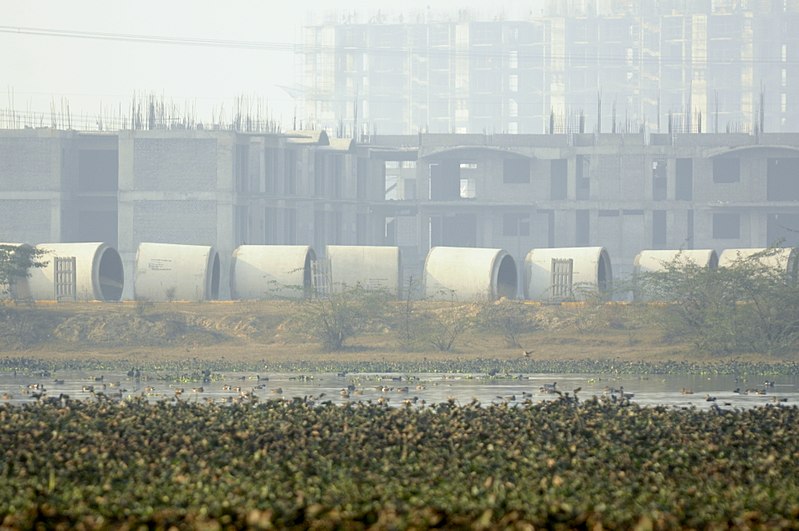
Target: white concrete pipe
<point x="657" y="261"/>
<point x="783" y="259"/>
<point x="367" y="266"/>
<point x="167" y="272"/>
<point x="469" y="274"/>
<point x="20" y="287"/>
<point x="590" y="273"/>
<point x="271" y="272"/>
<point x="651" y="261"/>
<point x="98" y="271"/>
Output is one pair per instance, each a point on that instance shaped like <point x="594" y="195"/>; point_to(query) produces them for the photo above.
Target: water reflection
<point x="397" y="389"/>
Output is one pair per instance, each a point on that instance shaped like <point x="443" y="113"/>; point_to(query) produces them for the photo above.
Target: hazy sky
<point x="95" y="73"/>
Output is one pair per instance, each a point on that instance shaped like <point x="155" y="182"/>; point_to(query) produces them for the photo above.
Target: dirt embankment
<point x="97" y="325"/>
<point x="248" y="331"/>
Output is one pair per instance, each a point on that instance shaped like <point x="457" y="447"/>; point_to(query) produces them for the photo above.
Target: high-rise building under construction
<point x="590" y="66"/>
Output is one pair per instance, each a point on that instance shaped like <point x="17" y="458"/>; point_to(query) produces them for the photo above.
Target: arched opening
<point x="111" y="275"/>
<point x="506" y="278"/>
<point x="214" y="293"/>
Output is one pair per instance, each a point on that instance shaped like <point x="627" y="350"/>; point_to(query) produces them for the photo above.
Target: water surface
<point x="701" y="391"/>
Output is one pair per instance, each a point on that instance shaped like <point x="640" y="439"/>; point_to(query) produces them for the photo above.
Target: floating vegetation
<point x="297" y="464"/>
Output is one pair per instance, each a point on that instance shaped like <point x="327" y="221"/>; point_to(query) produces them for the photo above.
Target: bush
<point x="441" y="326"/>
<point x="750" y="306"/>
<point x="335" y="318"/>
<point x="509" y="318"/>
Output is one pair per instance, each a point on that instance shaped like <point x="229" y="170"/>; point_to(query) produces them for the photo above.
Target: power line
<point x="589" y="56"/>
<point x="148" y="39"/>
<point x="184" y="99"/>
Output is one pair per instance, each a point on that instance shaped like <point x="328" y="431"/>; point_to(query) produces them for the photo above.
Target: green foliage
<point x="510" y="318"/>
<point x="296" y="465"/>
<point x="16" y="262"/>
<point x="750" y="306"/>
<point x="335" y="318"/>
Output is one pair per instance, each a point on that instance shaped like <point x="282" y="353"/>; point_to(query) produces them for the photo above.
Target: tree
<point x="16" y="262"/>
<point x="407" y="317"/>
<point x="441" y="325"/>
<point x="509" y="317"/>
<point x="335" y="318"/>
<point x="752" y="305"/>
<point x="436" y="323"/>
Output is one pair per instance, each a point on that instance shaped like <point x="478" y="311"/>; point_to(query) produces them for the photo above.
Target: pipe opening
<point x="111" y="276"/>
<point x="506" y="278"/>
<point x="214" y="293"/>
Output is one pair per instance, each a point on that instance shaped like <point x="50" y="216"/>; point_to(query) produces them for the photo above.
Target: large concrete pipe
<point x="658" y="261"/>
<point x="98" y="271"/>
<point x="469" y="274"/>
<point x="567" y="273"/>
<point x="167" y="272"/>
<point x="19" y="288"/>
<point x="271" y="272"/>
<point x="783" y="259"/>
<point x="651" y="261"/>
<point x="370" y="267"/>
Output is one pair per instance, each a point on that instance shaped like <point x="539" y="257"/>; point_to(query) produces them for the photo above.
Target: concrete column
<point x="56" y="179"/>
<point x="126" y="243"/>
<point x="225" y="193"/>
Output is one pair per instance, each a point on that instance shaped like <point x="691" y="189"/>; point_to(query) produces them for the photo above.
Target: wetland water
<point x="397" y="389"/>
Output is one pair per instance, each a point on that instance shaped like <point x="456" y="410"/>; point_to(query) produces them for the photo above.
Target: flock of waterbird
<point x="382" y="390"/>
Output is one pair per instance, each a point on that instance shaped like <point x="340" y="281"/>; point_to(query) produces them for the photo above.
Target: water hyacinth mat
<point x="299" y="464"/>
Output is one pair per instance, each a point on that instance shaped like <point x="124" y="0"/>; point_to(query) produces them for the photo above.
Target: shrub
<point x="509" y="318"/>
<point x="333" y="319"/>
<point x="749" y="306"/>
<point x="442" y="325"/>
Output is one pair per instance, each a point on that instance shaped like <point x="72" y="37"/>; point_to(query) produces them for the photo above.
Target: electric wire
<point x="587" y="54"/>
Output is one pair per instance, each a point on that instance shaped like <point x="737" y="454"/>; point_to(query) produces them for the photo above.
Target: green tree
<point x="16" y="261"/>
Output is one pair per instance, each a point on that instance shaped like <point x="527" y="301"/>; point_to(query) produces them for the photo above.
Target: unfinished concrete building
<point x="623" y="192"/>
<point x="219" y="188"/>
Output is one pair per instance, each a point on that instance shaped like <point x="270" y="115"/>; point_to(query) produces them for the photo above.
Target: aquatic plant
<point x="292" y="464"/>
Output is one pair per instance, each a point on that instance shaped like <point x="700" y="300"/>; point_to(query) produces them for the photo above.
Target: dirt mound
<point x="92" y="325"/>
<point x="246" y="326"/>
<point x="119" y="329"/>
<point x="20" y="329"/>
